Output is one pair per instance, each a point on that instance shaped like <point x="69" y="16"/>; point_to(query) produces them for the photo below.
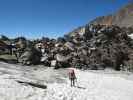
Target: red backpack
<point x="71" y="73"/>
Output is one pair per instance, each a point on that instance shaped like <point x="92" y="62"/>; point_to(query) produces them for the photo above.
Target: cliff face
<point x="122" y="18"/>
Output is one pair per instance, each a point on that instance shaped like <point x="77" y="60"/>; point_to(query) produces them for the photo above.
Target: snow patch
<point x="92" y="86"/>
<point x="131" y="36"/>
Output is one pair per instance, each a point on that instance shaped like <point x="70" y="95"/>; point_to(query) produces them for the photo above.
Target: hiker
<point x="72" y="77"/>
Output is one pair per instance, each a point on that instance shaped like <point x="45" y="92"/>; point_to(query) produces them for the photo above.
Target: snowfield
<point x="93" y="87"/>
<point x="90" y="85"/>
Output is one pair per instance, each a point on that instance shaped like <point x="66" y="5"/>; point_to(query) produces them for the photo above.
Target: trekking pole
<point x="76" y="81"/>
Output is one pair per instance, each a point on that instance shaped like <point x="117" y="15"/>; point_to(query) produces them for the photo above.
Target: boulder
<point x="61" y="58"/>
<point x="30" y="56"/>
<point x="53" y="63"/>
<point x="69" y="45"/>
<point x="44" y="57"/>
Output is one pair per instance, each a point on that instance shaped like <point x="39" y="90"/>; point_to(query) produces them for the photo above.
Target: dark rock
<point x="30" y="56"/>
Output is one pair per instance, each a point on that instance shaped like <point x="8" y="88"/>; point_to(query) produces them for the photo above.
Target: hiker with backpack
<point x="72" y="77"/>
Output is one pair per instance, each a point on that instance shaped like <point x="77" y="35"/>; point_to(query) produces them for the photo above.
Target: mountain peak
<point x="122" y="18"/>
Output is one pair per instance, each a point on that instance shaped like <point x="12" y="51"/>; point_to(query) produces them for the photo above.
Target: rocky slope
<point x="107" y="35"/>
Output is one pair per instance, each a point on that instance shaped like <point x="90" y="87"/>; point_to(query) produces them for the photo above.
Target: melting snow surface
<point x="89" y="86"/>
<point x="92" y="86"/>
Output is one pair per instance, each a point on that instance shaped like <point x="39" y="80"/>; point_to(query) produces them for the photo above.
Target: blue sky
<point x="50" y="18"/>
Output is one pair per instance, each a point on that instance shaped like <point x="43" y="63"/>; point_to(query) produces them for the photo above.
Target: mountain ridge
<point x="123" y="17"/>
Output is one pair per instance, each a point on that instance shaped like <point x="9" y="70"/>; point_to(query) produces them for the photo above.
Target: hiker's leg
<point x="71" y="82"/>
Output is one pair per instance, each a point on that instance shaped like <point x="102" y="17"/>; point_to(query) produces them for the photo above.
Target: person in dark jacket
<point x="72" y="77"/>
